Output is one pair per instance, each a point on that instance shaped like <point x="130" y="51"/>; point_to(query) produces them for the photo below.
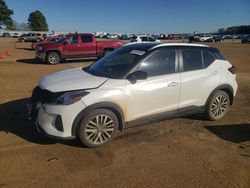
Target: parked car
<point x="194" y="39"/>
<point x="46" y="40"/>
<point x="227" y="37"/>
<point x="174" y="37"/>
<point x="125" y="37"/>
<point x="6" y="34"/>
<point x="31" y="37"/>
<point x="145" y="38"/>
<point x="112" y="36"/>
<point x="136" y="84"/>
<point x="206" y="38"/>
<point x="246" y="39"/>
<point x="16" y="35"/>
<point x="217" y="38"/>
<point x="163" y="36"/>
<point x="74" y="46"/>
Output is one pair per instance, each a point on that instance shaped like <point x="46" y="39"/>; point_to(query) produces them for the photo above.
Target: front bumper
<point x="57" y="120"/>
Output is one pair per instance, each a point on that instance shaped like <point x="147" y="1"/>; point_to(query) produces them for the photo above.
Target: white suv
<point x="145" y="38"/>
<point x="136" y="84"/>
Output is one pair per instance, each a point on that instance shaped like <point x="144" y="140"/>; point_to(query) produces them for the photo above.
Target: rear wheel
<point x="98" y="128"/>
<point x="218" y="106"/>
<point x="53" y="58"/>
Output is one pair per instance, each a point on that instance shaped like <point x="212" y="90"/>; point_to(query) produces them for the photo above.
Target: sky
<point x="136" y="16"/>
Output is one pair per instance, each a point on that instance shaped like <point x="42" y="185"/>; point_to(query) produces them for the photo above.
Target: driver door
<point x="71" y="48"/>
<point x="159" y="93"/>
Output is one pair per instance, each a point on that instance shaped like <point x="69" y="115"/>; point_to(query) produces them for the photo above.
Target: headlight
<point x="71" y="97"/>
<point x="39" y="48"/>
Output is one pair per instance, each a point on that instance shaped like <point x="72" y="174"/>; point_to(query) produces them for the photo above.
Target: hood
<point x="72" y="79"/>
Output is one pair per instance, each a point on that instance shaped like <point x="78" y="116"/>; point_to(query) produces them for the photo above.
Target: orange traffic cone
<point x="1" y="56"/>
<point x="7" y="51"/>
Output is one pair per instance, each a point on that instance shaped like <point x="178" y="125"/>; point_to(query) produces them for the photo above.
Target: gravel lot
<point x="184" y="152"/>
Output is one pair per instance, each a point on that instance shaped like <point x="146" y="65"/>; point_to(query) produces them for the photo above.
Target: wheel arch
<point x="53" y="50"/>
<point x="226" y="88"/>
<point x="105" y="105"/>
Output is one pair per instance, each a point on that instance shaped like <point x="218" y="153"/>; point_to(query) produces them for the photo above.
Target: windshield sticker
<point x="137" y="52"/>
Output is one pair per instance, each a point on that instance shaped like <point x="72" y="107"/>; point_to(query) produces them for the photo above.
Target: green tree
<point x="37" y="21"/>
<point x="5" y="15"/>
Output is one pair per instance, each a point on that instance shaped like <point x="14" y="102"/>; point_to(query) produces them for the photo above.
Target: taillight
<point x="233" y="69"/>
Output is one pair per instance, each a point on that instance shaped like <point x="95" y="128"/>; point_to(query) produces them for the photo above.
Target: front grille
<point x="41" y="96"/>
<point x="44" y="96"/>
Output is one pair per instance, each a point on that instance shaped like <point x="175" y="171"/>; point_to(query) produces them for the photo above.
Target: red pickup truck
<point x="74" y="46"/>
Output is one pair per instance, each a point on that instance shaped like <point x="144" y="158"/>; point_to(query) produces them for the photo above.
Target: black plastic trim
<point x="58" y="123"/>
<point x="166" y="115"/>
<point x="41" y="131"/>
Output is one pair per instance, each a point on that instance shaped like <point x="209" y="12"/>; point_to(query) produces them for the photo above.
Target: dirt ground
<point x="184" y="152"/>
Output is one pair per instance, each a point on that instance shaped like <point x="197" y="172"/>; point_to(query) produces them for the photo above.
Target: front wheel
<point x="98" y="128"/>
<point x="217" y="106"/>
<point x="53" y="58"/>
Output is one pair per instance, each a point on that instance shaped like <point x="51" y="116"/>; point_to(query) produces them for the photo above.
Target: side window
<point x="86" y="38"/>
<point x="192" y="59"/>
<point x="208" y="59"/>
<point x="74" y="39"/>
<point x="151" y="39"/>
<point x="144" y="39"/>
<point x="160" y="63"/>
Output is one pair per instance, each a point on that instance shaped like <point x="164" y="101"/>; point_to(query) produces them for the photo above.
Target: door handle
<point x="172" y="84"/>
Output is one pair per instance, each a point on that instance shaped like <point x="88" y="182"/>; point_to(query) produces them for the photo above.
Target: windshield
<point x="116" y="64"/>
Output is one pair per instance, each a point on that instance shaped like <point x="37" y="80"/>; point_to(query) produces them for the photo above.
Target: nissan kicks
<point x="136" y="84"/>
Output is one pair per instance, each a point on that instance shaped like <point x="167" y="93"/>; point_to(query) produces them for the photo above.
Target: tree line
<point x="235" y="30"/>
<point x="36" y="20"/>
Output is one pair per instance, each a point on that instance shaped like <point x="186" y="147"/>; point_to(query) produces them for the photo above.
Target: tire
<point x="93" y="132"/>
<point x="53" y="58"/>
<point x="217" y="106"/>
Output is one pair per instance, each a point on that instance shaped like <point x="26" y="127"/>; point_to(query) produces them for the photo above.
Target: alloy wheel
<point x="99" y="129"/>
<point x="53" y="59"/>
<point x="219" y="106"/>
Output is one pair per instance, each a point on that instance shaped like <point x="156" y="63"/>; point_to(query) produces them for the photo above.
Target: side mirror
<point x="137" y="75"/>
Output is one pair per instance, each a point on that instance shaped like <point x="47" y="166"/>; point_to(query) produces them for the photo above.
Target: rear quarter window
<point x="217" y="54"/>
<point x="208" y="58"/>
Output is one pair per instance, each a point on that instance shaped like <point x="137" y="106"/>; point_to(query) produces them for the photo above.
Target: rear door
<point x="199" y="77"/>
<point x="87" y="46"/>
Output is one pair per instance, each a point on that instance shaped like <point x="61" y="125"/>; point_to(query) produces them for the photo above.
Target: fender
<point x="224" y="87"/>
<point x="108" y="105"/>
